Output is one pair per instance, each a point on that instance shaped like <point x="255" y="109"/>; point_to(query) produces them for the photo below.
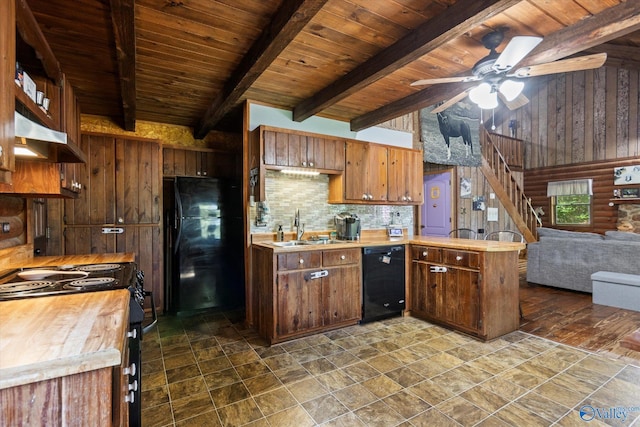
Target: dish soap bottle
<point x="280" y="234"/>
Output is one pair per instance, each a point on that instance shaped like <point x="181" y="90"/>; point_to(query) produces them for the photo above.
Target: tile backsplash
<point x="286" y="193"/>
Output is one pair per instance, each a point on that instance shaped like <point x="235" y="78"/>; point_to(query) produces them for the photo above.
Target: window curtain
<point x="569" y="188"/>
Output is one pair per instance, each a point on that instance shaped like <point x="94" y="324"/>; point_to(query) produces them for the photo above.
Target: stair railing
<point x="514" y="193"/>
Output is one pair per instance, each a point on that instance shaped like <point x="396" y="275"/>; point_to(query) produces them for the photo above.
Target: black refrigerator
<point x="204" y="258"/>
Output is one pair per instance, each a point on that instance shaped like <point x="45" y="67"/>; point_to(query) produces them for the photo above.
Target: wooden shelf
<point x="629" y="200"/>
<point x="43" y="117"/>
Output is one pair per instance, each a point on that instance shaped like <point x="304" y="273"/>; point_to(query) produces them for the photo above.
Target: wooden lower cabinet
<point x="475" y="292"/>
<point x="93" y="398"/>
<point x="289" y="301"/>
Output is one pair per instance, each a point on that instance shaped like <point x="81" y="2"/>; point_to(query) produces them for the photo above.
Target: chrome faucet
<point x="299" y="227"/>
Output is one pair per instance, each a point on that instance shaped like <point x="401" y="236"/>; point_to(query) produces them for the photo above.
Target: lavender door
<point x="436" y="210"/>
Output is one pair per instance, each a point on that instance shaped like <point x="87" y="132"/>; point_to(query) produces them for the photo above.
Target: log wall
<point x="604" y="217"/>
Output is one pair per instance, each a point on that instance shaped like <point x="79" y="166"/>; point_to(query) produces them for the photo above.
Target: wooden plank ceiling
<point x="194" y="62"/>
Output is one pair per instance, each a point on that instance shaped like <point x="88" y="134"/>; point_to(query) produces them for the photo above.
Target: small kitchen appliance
<point x="347" y="226"/>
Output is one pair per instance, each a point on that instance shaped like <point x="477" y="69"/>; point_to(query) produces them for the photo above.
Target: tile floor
<point x="208" y="370"/>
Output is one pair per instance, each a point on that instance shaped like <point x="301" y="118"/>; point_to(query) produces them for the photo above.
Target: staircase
<point x="496" y="170"/>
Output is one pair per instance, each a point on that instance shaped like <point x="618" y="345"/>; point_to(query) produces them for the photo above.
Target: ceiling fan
<point x="495" y="81"/>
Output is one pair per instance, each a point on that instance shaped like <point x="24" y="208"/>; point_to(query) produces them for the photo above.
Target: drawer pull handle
<point x="458" y="258"/>
<point x="438" y="269"/>
<point x="301" y="261"/>
<point x="424" y="253"/>
<point x="342" y="257"/>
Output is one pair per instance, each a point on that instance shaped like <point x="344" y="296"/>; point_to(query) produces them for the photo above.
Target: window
<point x="571" y="201"/>
<point x="572" y="210"/>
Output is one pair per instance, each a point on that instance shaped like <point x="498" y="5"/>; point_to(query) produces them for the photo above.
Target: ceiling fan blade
<point x="444" y="80"/>
<point x="518" y="48"/>
<point x="519" y="101"/>
<point x="586" y="62"/>
<point x="450" y="102"/>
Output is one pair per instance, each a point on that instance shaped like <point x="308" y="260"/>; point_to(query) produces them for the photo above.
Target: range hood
<point x="37" y="142"/>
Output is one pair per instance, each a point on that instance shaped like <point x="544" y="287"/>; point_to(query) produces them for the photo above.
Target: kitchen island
<point x="62" y="359"/>
<point x="311" y="287"/>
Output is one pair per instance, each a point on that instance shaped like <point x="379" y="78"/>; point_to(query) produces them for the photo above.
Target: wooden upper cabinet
<point x="121" y="182"/>
<point x="378" y="174"/>
<point x="365" y="172"/>
<point x="199" y="162"/>
<point x="282" y="148"/>
<point x="405" y="176"/>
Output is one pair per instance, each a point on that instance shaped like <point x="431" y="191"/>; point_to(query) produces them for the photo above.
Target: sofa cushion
<point x="622" y="235"/>
<point x="552" y="232"/>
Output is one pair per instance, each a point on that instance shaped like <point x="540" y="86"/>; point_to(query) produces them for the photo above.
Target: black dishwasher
<point x="383" y="283"/>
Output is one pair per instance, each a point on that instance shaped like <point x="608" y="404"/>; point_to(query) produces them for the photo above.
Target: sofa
<point x="567" y="259"/>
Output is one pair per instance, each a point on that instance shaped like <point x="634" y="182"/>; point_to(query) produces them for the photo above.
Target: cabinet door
<point x="365" y="172"/>
<point x="461" y="298"/>
<point x="341" y="295"/>
<point x="299" y="303"/>
<point x="96" y="204"/>
<point x="415" y="176"/>
<point x="427" y="296"/>
<point x="405" y="176"/>
<point x="137" y="182"/>
<point x="332" y="156"/>
<point x="276" y="148"/>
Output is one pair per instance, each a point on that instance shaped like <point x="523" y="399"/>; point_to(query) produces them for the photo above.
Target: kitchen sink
<point x="292" y="243"/>
<point x="305" y="243"/>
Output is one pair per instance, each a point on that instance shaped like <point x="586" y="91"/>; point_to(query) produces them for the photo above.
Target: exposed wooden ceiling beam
<point x="123" y="21"/>
<point x="595" y="30"/>
<point x="450" y="24"/>
<point x="587" y="33"/>
<point x="287" y="22"/>
<point x="409" y="104"/>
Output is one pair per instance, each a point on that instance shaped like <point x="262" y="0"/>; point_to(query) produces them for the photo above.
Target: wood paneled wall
<point x="578" y="117"/>
<point x="13" y="212"/>
<point x="604" y="217"/>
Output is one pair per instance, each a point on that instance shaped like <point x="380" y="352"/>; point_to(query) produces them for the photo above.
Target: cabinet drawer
<point x="461" y="258"/>
<point x="424" y="253"/>
<point x="299" y="260"/>
<point x="340" y="257"/>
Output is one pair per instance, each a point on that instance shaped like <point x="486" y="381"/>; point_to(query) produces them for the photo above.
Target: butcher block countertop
<point x="51" y="337"/>
<point x="56" y="261"/>
<point x="50" y="261"/>
<point x="441" y="242"/>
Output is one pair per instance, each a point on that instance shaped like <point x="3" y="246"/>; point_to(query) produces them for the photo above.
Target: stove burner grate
<point x="99" y="268"/>
<point x="91" y="283"/>
<point x="28" y="286"/>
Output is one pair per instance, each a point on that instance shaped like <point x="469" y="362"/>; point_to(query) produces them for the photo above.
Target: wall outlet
<point x="480" y="230"/>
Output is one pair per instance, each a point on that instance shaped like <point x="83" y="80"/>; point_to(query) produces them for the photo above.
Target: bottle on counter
<point x="280" y="234"/>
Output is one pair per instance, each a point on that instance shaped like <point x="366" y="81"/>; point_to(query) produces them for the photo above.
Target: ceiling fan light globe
<point x="484" y="96"/>
<point x="511" y="89"/>
<point x="480" y="92"/>
<point x="490" y="102"/>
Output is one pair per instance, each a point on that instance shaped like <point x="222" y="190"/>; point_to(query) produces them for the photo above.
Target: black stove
<point x="69" y="279"/>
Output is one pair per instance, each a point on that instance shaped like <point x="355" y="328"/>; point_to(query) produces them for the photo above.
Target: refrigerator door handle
<point x="178" y="220"/>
